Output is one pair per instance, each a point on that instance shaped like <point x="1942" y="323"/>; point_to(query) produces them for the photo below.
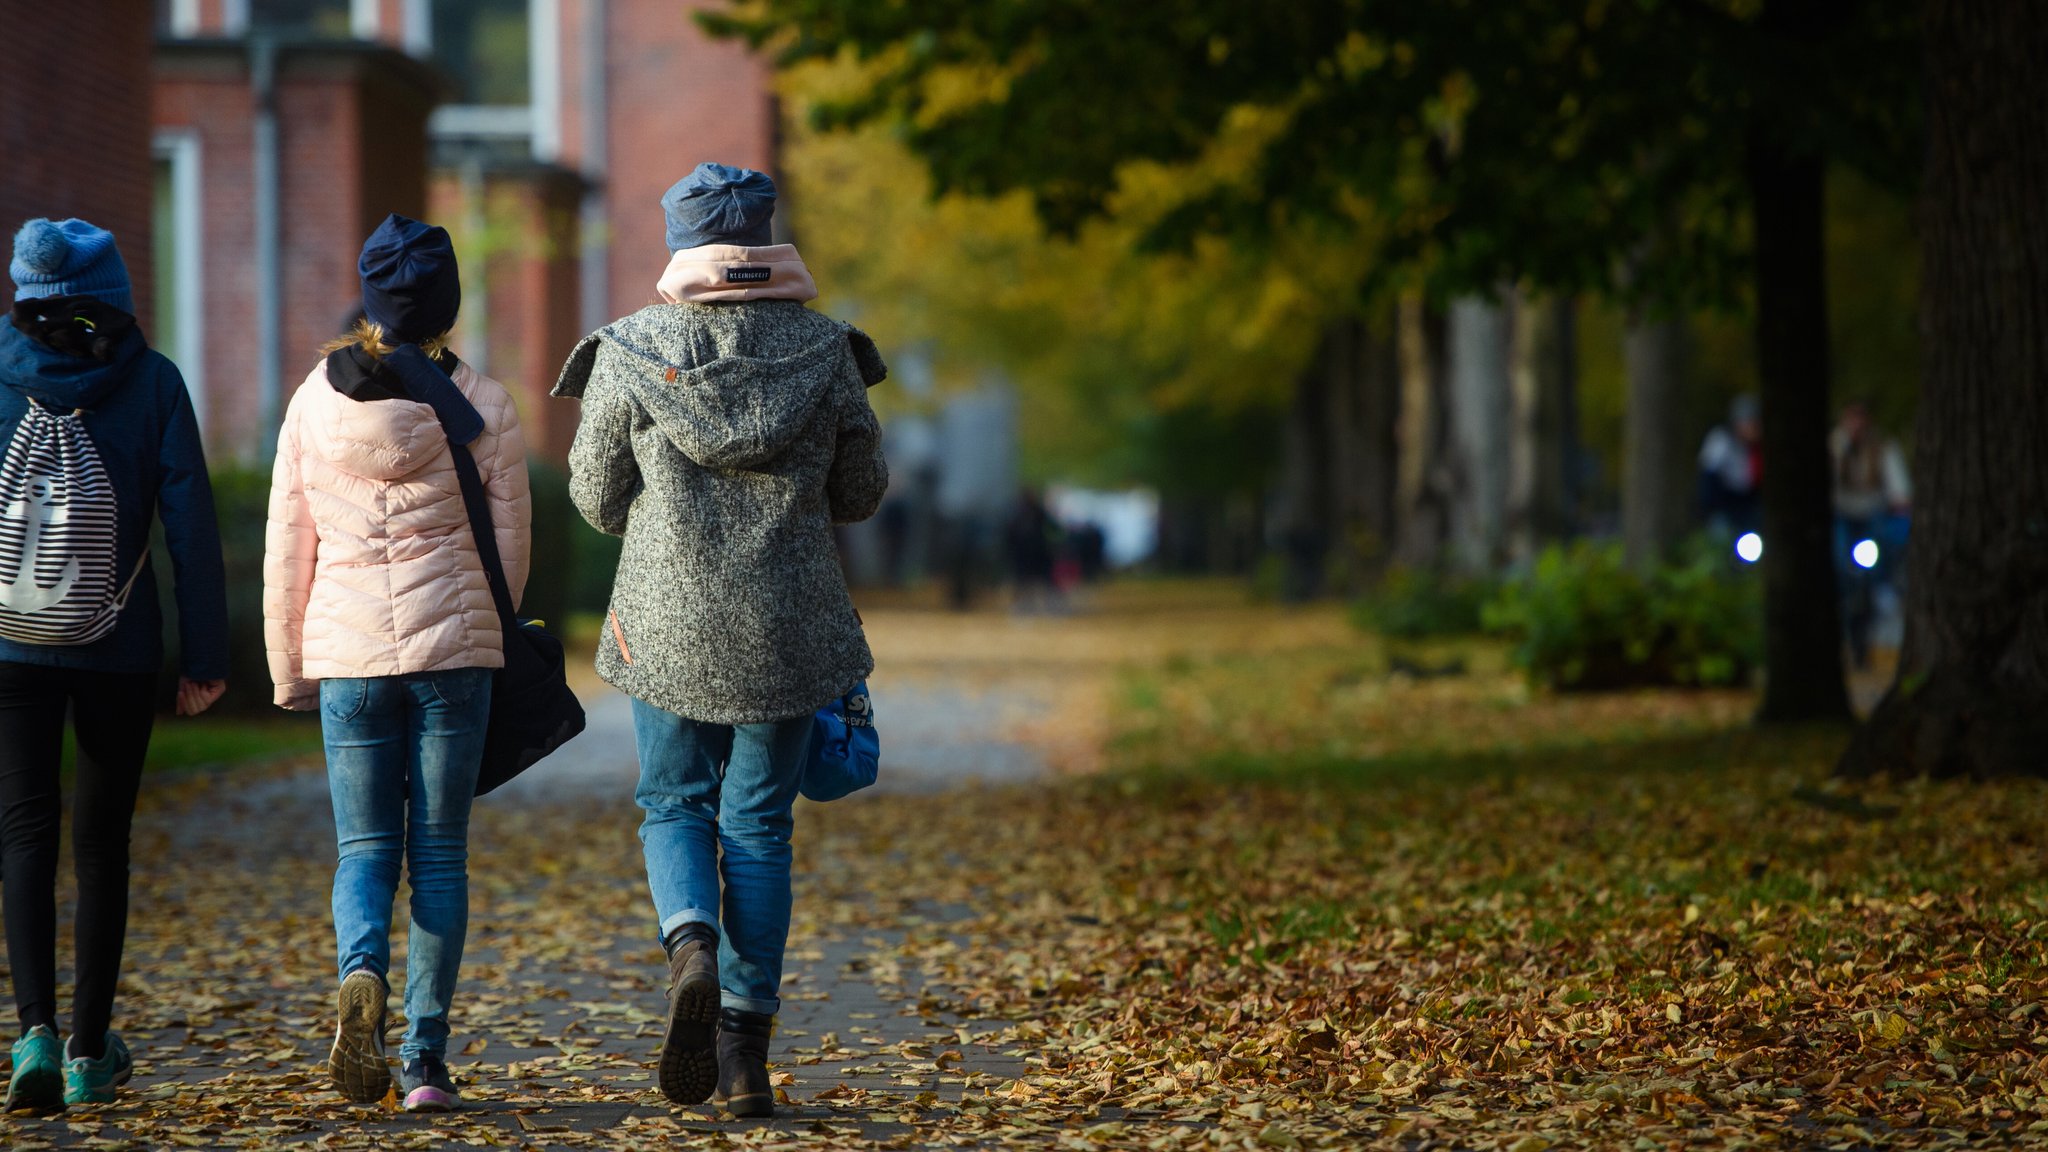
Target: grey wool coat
<point x="724" y="441"/>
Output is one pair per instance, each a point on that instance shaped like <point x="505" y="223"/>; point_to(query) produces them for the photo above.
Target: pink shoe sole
<point x="428" y="1098"/>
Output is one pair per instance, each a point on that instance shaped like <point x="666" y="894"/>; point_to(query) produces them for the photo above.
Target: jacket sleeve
<point x="290" y="548"/>
<point x="502" y="460"/>
<point x="859" y="476"/>
<point x="192" y="536"/>
<point x="604" y="476"/>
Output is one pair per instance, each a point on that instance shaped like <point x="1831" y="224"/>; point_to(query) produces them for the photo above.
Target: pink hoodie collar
<point x="730" y="272"/>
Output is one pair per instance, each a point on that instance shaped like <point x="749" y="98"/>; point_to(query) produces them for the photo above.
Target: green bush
<point x="241" y="500"/>
<point x="1411" y="604"/>
<point x="554" y="568"/>
<point x="1581" y="619"/>
<point x="596" y="562"/>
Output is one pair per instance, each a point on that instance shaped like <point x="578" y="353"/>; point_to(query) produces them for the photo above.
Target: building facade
<point x="540" y="132"/>
<point x="74" y="126"/>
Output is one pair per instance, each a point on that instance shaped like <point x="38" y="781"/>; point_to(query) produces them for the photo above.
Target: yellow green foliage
<point x="1097" y="334"/>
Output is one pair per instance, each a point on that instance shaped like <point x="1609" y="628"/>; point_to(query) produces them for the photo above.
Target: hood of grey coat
<point x="737" y="412"/>
<point x="722" y="410"/>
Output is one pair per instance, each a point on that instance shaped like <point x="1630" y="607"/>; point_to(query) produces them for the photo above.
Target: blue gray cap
<point x="720" y="204"/>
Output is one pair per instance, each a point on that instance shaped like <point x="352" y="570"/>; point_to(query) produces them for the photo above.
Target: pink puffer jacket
<point x="370" y="568"/>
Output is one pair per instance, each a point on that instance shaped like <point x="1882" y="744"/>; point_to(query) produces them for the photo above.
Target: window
<point x="318" y="19"/>
<point x="482" y="45"/>
<point x="178" y="324"/>
<point x="177" y="17"/>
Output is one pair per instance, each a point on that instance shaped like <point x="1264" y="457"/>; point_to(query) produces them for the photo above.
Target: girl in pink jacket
<point x="376" y="611"/>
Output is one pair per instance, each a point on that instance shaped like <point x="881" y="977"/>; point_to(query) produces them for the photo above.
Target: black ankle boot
<point x="689" y="1062"/>
<point x="743" y="1087"/>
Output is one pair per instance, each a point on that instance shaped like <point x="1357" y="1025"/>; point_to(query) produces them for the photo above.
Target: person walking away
<point x="377" y="611"/>
<point x="1731" y="471"/>
<point x="1873" y="494"/>
<point x="100" y="441"/>
<point x="723" y="434"/>
<point x="1031" y="539"/>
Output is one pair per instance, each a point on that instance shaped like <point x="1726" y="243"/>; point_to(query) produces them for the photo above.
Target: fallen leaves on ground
<point x="1305" y="904"/>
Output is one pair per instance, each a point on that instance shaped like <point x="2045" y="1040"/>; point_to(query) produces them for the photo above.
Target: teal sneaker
<point x="92" y="1081"/>
<point x="38" y="1081"/>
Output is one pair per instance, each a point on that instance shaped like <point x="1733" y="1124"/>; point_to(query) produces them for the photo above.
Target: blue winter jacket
<point x="140" y="418"/>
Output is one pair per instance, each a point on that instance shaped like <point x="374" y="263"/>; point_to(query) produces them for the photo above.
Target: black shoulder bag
<point x="533" y="712"/>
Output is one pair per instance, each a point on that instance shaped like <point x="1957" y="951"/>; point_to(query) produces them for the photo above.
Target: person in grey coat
<point x="723" y="434"/>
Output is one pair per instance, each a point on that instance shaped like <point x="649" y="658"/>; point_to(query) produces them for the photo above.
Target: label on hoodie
<point x="747" y="274"/>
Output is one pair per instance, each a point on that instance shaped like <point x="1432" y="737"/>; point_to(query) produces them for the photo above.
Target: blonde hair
<point x="369" y="336"/>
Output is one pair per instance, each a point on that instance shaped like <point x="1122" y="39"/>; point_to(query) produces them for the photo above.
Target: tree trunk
<point x="1525" y="428"/>
<point x="1972" y="693"/>
<point x="1802" y="624"/>
<point x="1364" y="407"/>
<point x="1557" y="465"/>
<point x="1421" y="475"/>
<point x="1653" y="470"/>
<point x="1303" y="523"/>
<point x="1482" y="419"/>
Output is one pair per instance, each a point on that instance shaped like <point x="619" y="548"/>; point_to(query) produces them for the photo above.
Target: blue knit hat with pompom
<point x="69" y="258"/>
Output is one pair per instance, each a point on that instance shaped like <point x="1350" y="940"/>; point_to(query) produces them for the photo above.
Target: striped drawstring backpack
<point x="57" y="535"/>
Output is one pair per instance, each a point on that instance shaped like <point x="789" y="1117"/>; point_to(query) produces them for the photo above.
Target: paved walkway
<point x="227" y="989"/>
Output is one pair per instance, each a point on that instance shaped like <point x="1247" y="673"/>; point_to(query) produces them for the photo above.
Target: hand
<point x="196" y="696"/>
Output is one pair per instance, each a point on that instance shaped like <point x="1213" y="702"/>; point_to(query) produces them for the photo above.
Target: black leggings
<point x="111" y="714"/>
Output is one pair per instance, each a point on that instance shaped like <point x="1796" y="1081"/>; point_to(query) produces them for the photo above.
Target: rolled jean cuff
<point x="746" y="1004"/>
<point x="687" y="916"/>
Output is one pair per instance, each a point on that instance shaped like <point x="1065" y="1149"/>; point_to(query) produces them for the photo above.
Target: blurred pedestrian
<point x="1873" y="495"/>
<point x="723" y="434"/>
<point x="1091" y="549"/>
<point x="102" y="442"/>
<point x="377" y="611"/>
<point x="1871" y="479"/>
<point x="1731" y="470"/>
<point x="1031" y="539"/>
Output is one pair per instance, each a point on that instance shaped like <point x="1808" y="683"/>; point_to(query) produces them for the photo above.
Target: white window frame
<point x="181" y="147"/>
<point x="544" y="77"/>
<point x="539" y="120"/>
<point x="184" y="19"/>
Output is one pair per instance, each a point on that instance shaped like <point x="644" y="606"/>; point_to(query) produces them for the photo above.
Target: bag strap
<point x="477" y="503"/>
<point x="121" y="598"/>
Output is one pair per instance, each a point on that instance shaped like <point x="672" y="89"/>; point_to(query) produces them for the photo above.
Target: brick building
<point x="53" y="97"/>
<point x="668" y="98"/>
<point x="555" y="126"/>
<point x="349" y="145"/>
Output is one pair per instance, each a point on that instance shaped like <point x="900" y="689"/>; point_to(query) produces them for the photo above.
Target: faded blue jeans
<point x="402" y="759"/>
<point x="718" y="799"/>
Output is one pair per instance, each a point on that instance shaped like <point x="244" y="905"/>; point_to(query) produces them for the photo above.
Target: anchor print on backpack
<point x="57" y="537"/>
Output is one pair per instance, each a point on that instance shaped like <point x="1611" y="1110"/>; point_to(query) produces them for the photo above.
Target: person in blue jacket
<point x="73" y="360"/>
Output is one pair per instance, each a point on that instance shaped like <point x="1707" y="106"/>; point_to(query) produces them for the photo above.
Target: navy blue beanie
<point x="719" y="204"/>
<point x="410" y="285"/>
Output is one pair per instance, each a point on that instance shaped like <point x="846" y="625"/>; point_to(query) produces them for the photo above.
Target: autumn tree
<point x="1972" y="693"/>
<point x="1645" y="151"/>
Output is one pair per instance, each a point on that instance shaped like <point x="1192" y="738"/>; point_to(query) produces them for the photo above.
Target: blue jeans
<point x="402" y="759"/>
<point x="707" y="787"/>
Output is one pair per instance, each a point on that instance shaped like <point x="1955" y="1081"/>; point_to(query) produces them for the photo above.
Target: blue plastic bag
<point x="846" y="751"/>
